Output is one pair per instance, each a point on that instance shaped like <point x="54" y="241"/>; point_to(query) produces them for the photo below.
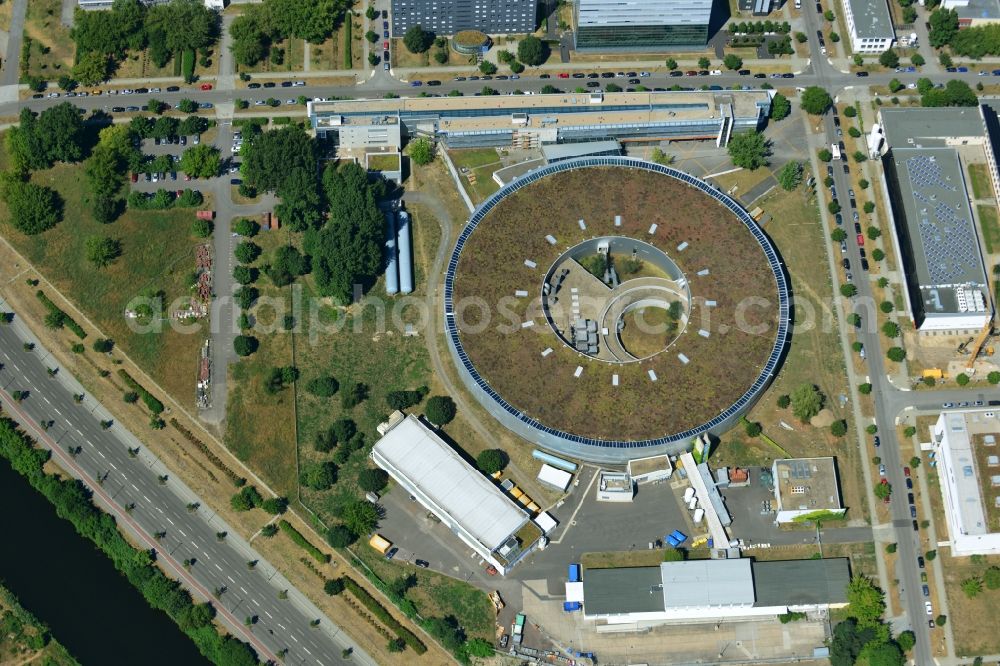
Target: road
<point x="130" y="488"/>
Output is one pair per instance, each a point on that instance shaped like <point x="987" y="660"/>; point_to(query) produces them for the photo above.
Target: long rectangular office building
<point x="446" y="17"/>
<point x="937" y="242"/>
<point x="642" y="25"/>
<point x="529" y="121"/>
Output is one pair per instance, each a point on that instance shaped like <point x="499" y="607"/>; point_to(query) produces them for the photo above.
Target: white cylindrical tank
<point x="699" y="514"/>
<point x="391" y="262"/>
<point x="688" y="494"/>
<point x="405" y="254"/>
<point x="693" y="504"/>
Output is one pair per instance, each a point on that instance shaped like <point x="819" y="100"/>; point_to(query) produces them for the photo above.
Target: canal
<point x="70" y="585"/>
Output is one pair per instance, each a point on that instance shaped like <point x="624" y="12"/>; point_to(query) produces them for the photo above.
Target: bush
<point x="57" y="314"/>
<point x="304" y="543"/>
<point x="340" y="536"/>
<point x="440" y="410"/>
<point x="154" y="405"/>
<point x="838" y="428"/>
<point x="896" y="354"/>
<point x="201" y="228"/>
<point x="322" y="387"/>
<point x="333" y="587"/>
<point x="784" y="401"/>
<point x="247" y="498"/>
<point x="383" y="615"/>
<point x="275" y="505"/>
<point x="405" y="399"/>
<point x="372" y="480"/>
<point x="244" y="345"/>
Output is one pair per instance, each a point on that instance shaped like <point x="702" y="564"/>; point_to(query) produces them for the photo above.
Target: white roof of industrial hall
<point x="707" y="583"/>
<point x="458" y="489"/>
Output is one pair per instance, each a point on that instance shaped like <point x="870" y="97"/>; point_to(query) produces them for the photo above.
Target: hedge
<point x="379" y="611"/>
<point x="67" y="320"/>
<point x="281" y="120"/>
<point x="297" y="537"/>
<point x="72" y="502"/>
<point x="348" y="63"/>
<point x="151" y="401"/>
<point x="237" y="480"/>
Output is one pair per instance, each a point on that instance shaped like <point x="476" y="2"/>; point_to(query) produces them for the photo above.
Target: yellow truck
<point x="380" y="543"/>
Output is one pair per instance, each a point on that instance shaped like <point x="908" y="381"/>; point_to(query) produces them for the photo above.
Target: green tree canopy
<point x="780" y="107"/>
<point x="531" y="51"/>
<point x="943" y="27"/>
<point x="889" y="58"/>
<point x="318" y="475"/>
<point x="372" y="480"/>
<point x="749" y="150"/>
<point x="807" y="401"/>
<point x="244" y="345"/>
<point x="490" y="461"/>
<point x="732" y="61"/>
<point x="201" y="161"/>
<point x="816" y="100"/>
<point x="418" y="40"/>
<point x="440" y="410"/>
<point x="32" y="208"/>
<point x="866" y="601"/>
<point x="421" y="151"/>
<point x="102" y="250"/>
<point x="790" y="175"/>
<point x="340" y="536"/>
<point x="361" y="516"/>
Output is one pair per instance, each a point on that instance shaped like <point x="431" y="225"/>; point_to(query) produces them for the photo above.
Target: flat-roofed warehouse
<point x="465" y="500"/>
<point x="937" y="241"/>
<point x="529" y="121"/>
<point x="713" y="590"/>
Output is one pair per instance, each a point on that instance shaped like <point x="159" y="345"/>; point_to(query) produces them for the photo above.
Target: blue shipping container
<point x="570" y="606"/>
<point x="574" y="573"/>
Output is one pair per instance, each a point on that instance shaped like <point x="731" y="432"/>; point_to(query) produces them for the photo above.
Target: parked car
<point x="173" y="88"/>
<point x="861" y="239"/>
<point x="391" y="553"/>
<point x="929" y="608"/>
<point x="878" y="442"/>
<point x="920" y="561"/>
<point x="423" y="564"/>
<point x="926" y="591"/>
<point x="861" y="75"/>
<point x="206" y="86"/>
<point x="909" y="497"/>
<point x="909" y="484"/>
<point x="881" y="470"/>
<point x="913" y="514"/>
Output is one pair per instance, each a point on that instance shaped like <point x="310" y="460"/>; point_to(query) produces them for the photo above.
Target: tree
<point x="704" y="62"/>
<point x="340" y="536"/>
<point x="201" y="161"/>
<point x="891" y="330"/>
<point x="780" y="107"/>
<point x="815" y="100"/>
<point x="657" y="155"/>
<point x="992" y="578"/>
<point x="807" y="401"/>
<point x="749" y="150"/>
<point x="865" y="389"/>
<point x="491" y="461"/>
<point x="972" y="587"/>
<point x="790" y="176"/>
<point x="825" y="155"/>
<point x="993" y="377"/>
<point x="32" y="208"/>
<point x="92" y="68"/>
<point x="954" y="93"/>
<point x="918" y="60"/>
<point x="784" y="401"/>
<point x="247" y="498"/>
<point x="531" y="51"/>
<point x="275" y="505"/>
<point x="732" y="61"/>
<point x="318" y="476"/>
<point x="333" y="586"/>
<point x="671" y="64"/>
<point x="440" y="410"/>
<point x="418" y="40"/>
<point x="866" y="601"/>
<point x="247" y="252"/>
<point x="869" y="207"/>
<point x="487" y="68"/>
<point x="881" y="653"/>
<point x="962" y="379"/>
<point x="848" y="290"/>
<point x="245" y="274"/>
<point x="201" y="228"/>
<point x="353" y="395"/>
<point x="421" y="151"/>
<point x="943" y="27"/>
<point x="859" y="156"/>
<point x="372" y="480"/>
<point x="244" y="345"/>
<point x="890" y="548"/>
<point x="271" y="158"/>
<point x="896" y="354"/>
<point x="889" y="58"/>
<point x="477" y="647"/>
<point x="322" y="387"/>
<point x="246" y="227"/>
<point x="895" y="85"/>
<point x="102" y="250"/>
<point x="361" y="516"/>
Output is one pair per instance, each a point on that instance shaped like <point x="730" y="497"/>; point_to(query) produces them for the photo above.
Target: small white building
<point x="869" y="25"/>
<point x="963" y="441"/>
<point x="554" y="478"/>
<point x="652" y="468"/>
<point x="615" y="487"/>
<point x="805" y="486"/>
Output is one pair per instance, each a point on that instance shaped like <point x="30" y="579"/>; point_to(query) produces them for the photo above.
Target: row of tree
<point x="72" y="502"/>
<point x="166" y="29"/>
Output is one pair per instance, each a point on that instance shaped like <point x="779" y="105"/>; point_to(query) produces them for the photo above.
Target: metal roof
<point x="457" y="489"/>
<point x="707" y="583"/>
<point x="562" y="151"/>
<point x="626" y="13"/>
<point x="622" y="590"/>
<point x="930" y="127"/>
<point x="801" y="582"/>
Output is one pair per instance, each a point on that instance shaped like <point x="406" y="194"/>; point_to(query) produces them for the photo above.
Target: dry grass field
<point x="721" y="367"/>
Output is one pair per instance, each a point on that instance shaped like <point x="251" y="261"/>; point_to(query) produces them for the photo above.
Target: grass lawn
<point x="158" y="253"/>
<point x="990" y="227"/>
<point x="52" y="50"/>
<point x="981" y="186"/>
<point x="813" y="357"/>
<point x="637" y="337"/>
<point x="294" y="50"/>
<point x="476" y="167"/>
<point x="384" y="162"/>
<point x="137" y="64"/>
<point x="330" y="54"/>
<point x="260" y="427"/>
<point x="973" y="621"/>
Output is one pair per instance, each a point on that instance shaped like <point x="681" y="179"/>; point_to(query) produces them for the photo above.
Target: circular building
<point x="471" y="42"/>
<point x="610" y="308"/>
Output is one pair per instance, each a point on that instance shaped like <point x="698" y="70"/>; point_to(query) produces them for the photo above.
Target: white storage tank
<point x="688" y="494"/>
<point x="693" y="504"/>
<point x="405" y="254"/>
<point x="391" y="262"/>
<point x="699" y="515"/>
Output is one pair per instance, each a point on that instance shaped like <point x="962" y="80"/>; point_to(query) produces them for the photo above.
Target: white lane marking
<point x="170" y="521"/>
<point x="114" y="466"/>
<point x="218" y="567"/>
<point x="244" y="590"/>
<point x="159" y="509"/>
<point x="81" y="435"/>
<point x="308" y="650"/>
<point x="147" y="498"/>
<point x="255" y="603"/>
<point x="231" y="580"/>
<point x="182" y="532"/>
<point x="56" y="410"/>
<point x="134" y="487"/>
<point x="294" y="638"/>
<point x="269" y="615"/>
<point x="100" y="453"/>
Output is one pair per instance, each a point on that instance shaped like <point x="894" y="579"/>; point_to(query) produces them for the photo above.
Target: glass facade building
<point x="641" y="25"/>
